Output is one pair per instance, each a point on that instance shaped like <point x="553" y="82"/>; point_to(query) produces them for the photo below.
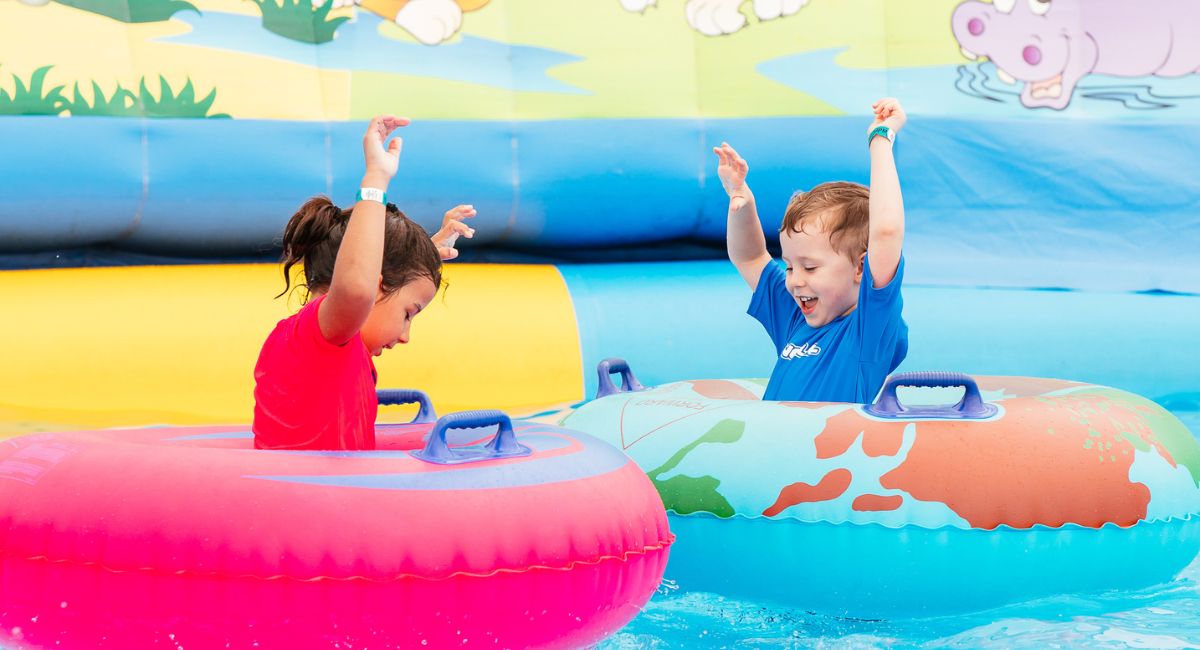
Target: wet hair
<point x="840" y="208"/>
<point x="314" y="234"/>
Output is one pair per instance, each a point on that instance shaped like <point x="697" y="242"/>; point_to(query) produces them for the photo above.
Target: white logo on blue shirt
<point x="806" y="350"/>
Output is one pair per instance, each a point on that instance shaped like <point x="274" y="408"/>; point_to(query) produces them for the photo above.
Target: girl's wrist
<point x="376" y="179"/>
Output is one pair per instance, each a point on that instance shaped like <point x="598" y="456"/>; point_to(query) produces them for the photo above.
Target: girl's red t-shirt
<point x="310" y="393"/>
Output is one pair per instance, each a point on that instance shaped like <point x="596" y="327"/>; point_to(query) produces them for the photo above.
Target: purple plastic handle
<point x="606" y="368"/>
<point x="503" y="445"/>
<point x="970" y="407"/>
<point x="396" y="396"/>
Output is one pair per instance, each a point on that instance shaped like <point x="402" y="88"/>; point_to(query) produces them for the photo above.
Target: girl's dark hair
<point x="314" y="234"/>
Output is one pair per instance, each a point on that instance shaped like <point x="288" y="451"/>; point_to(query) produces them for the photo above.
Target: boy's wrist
<point x="881" y="132"/>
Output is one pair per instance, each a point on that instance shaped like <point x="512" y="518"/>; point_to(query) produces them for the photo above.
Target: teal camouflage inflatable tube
<point x="1026" y="488"/>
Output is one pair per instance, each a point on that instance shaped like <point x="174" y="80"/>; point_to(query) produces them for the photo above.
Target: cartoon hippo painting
<point x="1050" y="45"/>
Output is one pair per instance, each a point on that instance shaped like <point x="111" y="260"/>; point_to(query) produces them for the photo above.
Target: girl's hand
<point x="732" y="171"/>
<point x="889" y="113"/>
<point x="383" y="162"/>
<point x="452" y="228"/>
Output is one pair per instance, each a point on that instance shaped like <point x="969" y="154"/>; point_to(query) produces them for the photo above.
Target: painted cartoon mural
<point x="1049" y="46"/>
<point x="716" y="17"/>
<point x="429" y="21"/>
<point x="485" y="59"/>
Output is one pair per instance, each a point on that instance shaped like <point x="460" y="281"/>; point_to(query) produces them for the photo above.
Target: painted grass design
<point x="184" y="104"/>
<point x="122" y="103"/>
<point x="299" y="20"/>
<point x="132" y="11"/>
<point x="32" y="99"/>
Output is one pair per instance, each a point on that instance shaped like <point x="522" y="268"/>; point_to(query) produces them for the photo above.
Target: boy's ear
<point x="859" y="272"/>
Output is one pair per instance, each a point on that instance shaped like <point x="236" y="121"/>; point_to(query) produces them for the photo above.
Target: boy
<point x="834" y="314"/>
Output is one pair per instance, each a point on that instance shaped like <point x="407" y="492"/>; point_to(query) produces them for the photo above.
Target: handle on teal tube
<point x="970" y="407"/>
<point x="605" y="370"/>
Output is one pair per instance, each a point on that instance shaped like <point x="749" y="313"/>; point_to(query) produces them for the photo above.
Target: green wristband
<point x="885" y="131"/>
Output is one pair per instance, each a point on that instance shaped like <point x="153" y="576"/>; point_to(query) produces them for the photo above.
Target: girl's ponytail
<point x="314" y="234"/>
<point x="311" y="239"/>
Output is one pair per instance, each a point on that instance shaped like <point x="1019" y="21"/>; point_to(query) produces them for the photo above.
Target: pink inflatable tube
<point x="189" y="538"/>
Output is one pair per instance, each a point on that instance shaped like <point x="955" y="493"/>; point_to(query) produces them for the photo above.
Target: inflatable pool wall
<point x="204" y="124"/>
<point x="196" y="128"/>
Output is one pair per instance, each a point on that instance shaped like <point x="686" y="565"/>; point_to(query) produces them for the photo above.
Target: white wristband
<point x="372" y="194"/>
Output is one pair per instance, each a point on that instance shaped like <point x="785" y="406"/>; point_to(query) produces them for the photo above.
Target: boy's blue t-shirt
<point x="846" y="360"/>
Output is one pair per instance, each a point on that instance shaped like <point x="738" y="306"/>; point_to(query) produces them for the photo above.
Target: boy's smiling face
<point x="822" y="280"/>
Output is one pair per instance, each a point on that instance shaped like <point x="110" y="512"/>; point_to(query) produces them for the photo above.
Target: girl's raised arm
<point x="354" y="287"/>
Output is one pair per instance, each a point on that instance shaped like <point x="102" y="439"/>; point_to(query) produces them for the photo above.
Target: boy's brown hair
<point x="840" y="208"/>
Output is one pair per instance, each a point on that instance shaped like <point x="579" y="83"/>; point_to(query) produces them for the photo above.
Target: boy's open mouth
<point x="807" y="305"/>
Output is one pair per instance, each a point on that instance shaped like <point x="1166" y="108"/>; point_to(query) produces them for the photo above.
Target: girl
<point x="371" y="271"/>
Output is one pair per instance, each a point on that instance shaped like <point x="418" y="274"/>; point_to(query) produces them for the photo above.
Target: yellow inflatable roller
<point x="104" y="347"/>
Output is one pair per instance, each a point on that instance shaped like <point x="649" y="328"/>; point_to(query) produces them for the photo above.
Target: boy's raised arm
<point x="744" y="239"/>
<point x="886" y="238"/>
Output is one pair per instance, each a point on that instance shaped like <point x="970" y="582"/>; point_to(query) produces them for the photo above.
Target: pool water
<point x="1166" y="616"/>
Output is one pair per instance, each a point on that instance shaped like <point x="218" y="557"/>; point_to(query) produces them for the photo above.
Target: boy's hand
<point x="732" y="171"/>
<point x="889" y="113"/>
<point x="452" y="228"/>
<point x="383" y="162"/>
